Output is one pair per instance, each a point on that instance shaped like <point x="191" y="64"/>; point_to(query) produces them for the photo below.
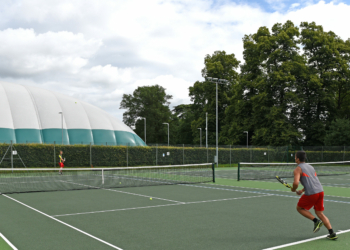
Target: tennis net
<point x="257" y="171"/>
<point x="20" y="180"/>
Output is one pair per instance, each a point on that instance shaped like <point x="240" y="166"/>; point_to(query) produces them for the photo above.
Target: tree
<point x="338" y="133"/>
<point x="152" y="103"/>
<point x="327" y="92"/>
<point x="203" y="94"/>
<point x="263" y="99"/>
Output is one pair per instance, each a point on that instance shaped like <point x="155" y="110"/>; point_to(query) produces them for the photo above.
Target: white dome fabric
<point x="31" y="115"/>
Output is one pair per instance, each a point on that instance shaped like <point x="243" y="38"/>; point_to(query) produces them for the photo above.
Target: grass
<point x="4" y="245"/>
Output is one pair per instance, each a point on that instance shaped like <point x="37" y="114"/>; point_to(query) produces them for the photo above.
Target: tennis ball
<point x="150" y="198"/>
<point x="120" y="183"/>
<point x="75" y="102"/>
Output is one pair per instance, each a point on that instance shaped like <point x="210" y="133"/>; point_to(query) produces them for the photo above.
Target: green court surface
<point x="229" y="214"/>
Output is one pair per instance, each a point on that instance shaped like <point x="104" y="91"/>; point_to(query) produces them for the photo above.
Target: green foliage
<point x="338" y="133"/>
<point x="152" y="103"/>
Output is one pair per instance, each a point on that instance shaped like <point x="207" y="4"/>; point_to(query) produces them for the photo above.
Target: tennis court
<point x="226" y="214"/>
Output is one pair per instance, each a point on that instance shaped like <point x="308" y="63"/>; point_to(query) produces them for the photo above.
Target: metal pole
<point x="168" y="134"/>
<point x="247" y="138"/>
<point x="11" y="157"/>
<point x="206" y="129"/>
<point x="127" y="155"/>
<point x="90" y="156"/>
<point x="183" y="153"/>
<point x="230" y="155"/>
<point x="156" y="154"/>
<point x="217" y="146"/>
<point x="145" y="129"/>
<point x="54" y="154"/>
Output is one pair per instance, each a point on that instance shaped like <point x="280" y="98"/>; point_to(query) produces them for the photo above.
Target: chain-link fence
<point x="46" y="155"/>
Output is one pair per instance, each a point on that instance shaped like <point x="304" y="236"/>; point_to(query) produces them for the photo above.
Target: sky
<point x="97" y="51"/>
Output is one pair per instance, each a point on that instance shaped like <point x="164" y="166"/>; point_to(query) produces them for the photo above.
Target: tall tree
<point x="327" y="92"/>
<point x="152" y="103"/>
<point x="263" y="99"/>
<point x="203" y="94"/>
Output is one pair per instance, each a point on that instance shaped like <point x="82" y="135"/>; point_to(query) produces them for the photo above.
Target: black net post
<point x="238" y="171"/>
<point x="213" y="168"/>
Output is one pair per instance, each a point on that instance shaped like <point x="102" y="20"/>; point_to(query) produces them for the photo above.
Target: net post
<point x="287" y="153"/>
<point x="238" y="171"/>
<point x="183" y="153"/>
<point x="213" y="168"/>
<point x="127" y="155"/>
<point x="103" y="177"/>
<point x="90" y="156"/>
<point x="230" y="155"/>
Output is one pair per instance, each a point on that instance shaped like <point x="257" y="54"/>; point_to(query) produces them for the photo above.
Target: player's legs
<point x="324" y="219"/>
<point x="305" y="213"/>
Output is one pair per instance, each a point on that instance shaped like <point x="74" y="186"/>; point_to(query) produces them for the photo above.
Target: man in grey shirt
<point x="313" y="196"/>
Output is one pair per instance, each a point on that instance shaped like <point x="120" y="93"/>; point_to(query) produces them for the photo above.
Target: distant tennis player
<point x="313" y="196"/>
<point x="61" y="163"/>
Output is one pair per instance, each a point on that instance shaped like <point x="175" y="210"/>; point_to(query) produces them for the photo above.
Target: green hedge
<point x="44" y="155"/>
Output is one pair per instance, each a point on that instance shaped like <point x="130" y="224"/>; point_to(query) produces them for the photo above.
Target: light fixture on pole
<point x="61" y="113"/>
<point x="217" y="81"/>
<point x="168" y="132"/>
<point x="200" y="136"/>
<point x="247" y="137"/>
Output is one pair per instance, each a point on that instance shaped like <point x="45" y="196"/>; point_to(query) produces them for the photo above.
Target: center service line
<point x="77" y="229"/>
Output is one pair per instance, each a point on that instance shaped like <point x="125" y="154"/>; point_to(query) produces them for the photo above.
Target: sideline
<point x="77" y="229"/>
<point x="8" y="242"/>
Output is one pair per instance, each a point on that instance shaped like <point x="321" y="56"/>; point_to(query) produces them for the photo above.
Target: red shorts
<point x="61" y="164"/>
<point x="314" y="200"/>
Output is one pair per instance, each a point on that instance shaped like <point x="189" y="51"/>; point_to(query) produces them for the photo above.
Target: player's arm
<point x="297" y="174"/>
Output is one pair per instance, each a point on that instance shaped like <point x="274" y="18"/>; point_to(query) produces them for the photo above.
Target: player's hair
<point x="301" y="155"/>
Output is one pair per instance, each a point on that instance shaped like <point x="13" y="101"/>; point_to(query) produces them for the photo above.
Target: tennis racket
<point x="283" y="182"/>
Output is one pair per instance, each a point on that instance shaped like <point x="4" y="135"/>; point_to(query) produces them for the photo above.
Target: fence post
<point x="54" y="154"/>
<point x="183" y="154"/>
<point x="157" y="154"/>
<point x="90" y="157"/>
<point x="322" y="154"/>
<point x="127" y="155"/>
<point x="11" y="157"/>
<point x="230" y="155"/>
<point x="344" y="154"/>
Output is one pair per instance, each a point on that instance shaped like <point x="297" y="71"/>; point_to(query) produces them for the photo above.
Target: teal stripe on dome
<point x="80" y="136"/>
<point x="54" y="135"/>
<point x="104" y="137"/>
<point x="28" y="136"/>
<point x="7" y="135"/>
<point x="70" y="136"/>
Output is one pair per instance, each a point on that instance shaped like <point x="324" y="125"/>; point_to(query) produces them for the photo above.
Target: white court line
<point x="303" y="241"/>
<point x="166" y="205"/>
<point x="256" y="192"/>
<point x="122" y="192"/>
<point x="277" y="190"/>
<point x="77" y="229"/>
<point x="8" y="242"/>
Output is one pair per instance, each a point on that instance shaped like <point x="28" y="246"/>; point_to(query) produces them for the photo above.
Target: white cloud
<point x="99" y="50"/>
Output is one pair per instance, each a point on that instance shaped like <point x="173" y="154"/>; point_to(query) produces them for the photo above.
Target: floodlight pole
<point x="217" y="81"/>
<point x="62" y="124"/>
<point x="247" y="137"/>
<point x="200" y="136"/>
<point x="168" y="132"/>
<point x="206" y="129"/>
<point x="145" y="128"/>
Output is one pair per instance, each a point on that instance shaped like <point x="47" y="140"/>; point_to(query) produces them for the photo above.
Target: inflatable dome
<point x="34" y="115"/>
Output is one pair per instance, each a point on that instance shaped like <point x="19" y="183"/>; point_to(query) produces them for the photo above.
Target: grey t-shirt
<point x="309" y="179"/>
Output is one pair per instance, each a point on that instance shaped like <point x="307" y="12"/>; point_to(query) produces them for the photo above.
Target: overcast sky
<point x="98" y="50"/>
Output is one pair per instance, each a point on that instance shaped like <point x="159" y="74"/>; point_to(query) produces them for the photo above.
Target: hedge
<point x="46" y="155"/>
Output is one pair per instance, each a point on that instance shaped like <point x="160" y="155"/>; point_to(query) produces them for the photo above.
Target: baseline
<point x="303" y="241"/>
<point x="8" y="242"/>
<point x="66" y="224"/>
<point x="256" y="192"/>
